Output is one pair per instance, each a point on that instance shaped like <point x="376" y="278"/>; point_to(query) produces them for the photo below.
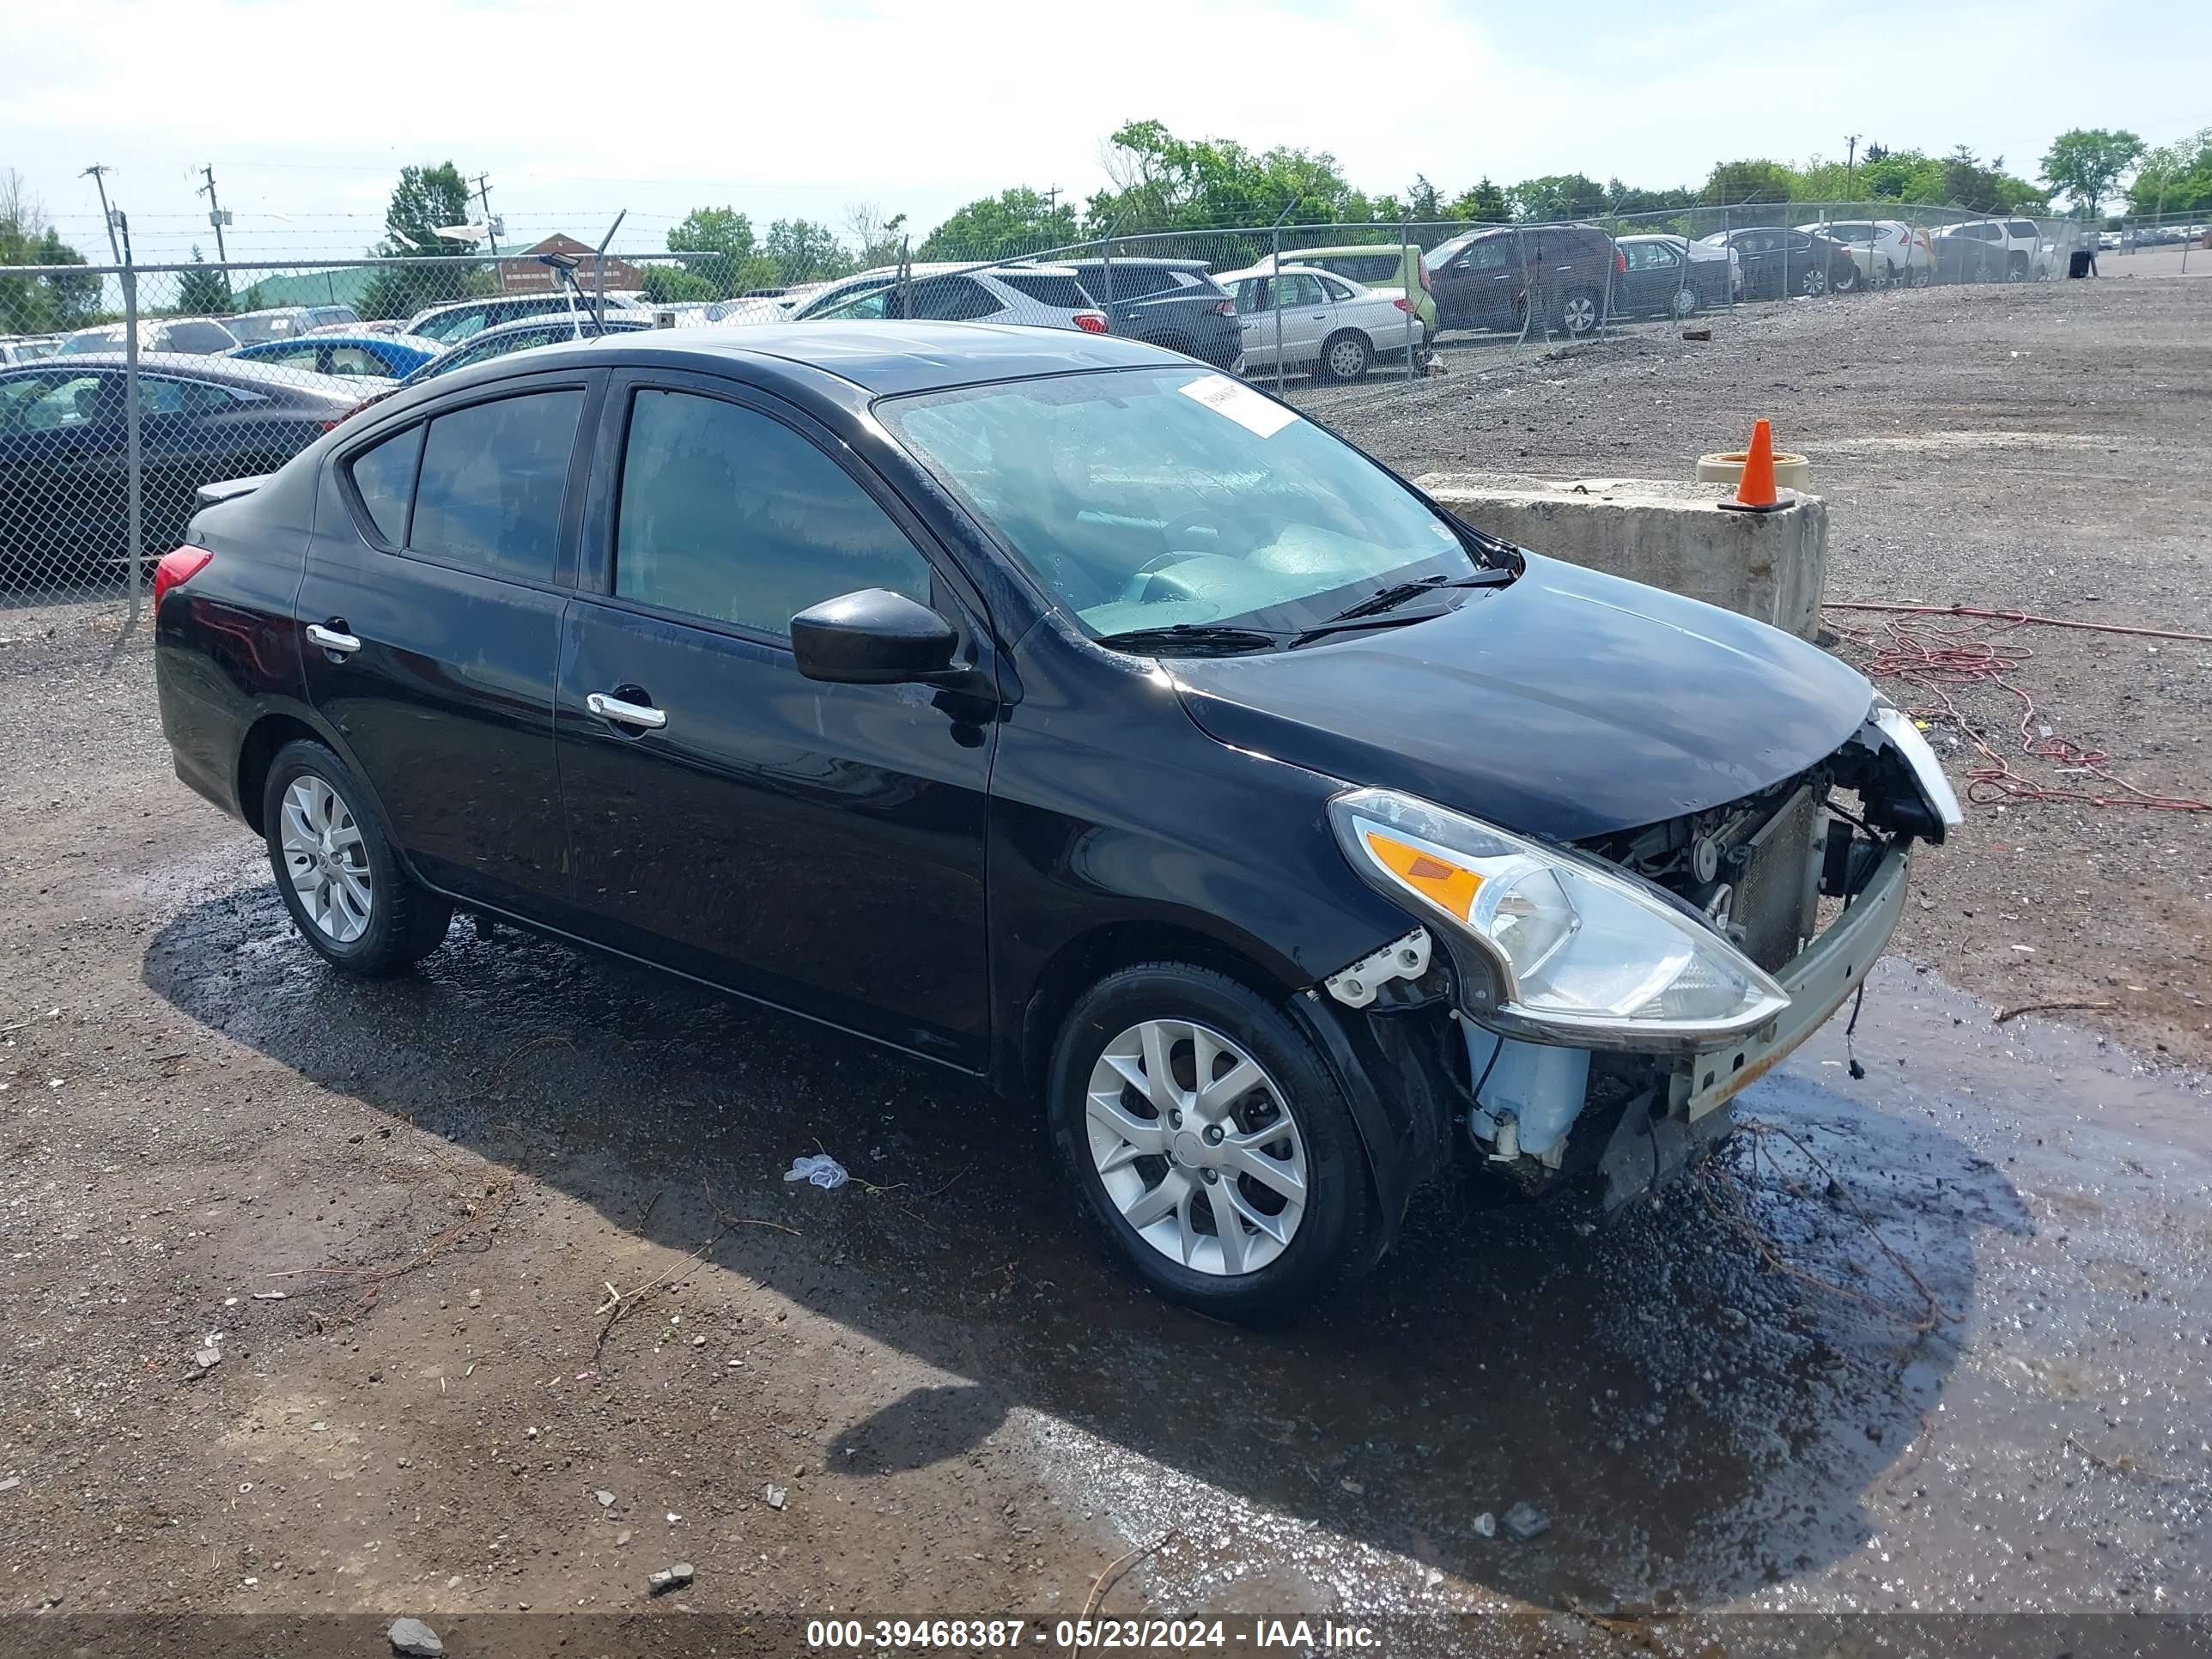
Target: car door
<point x="1308" y="314"/>
<point x="1649" y="282"/>
<point x="1492" y="280"/>
<point x="818" y="846"/>
<point x="432" y="603"/>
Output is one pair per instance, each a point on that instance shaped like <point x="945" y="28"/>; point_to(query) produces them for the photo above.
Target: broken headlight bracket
<point x="1407" y="958"/>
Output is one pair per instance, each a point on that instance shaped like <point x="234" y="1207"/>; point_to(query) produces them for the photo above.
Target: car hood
<point x="1567" y="705"/>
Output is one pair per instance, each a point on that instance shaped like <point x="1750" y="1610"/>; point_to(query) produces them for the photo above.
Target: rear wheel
<point x="1209" y="1144"/>
<point x="338" y="875"/>
<point x="2016" y="267"/>
<point x="1685" y="303"/>
<point x="1812" y="281"/>
<point x="1346" y="357"/>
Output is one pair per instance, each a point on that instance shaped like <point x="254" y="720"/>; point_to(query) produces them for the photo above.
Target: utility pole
<point x="1051" y="198"/>
<point x="98" y="175"/>
<point x="1850" y="155"/>
<point x="217" y="216"/>
<point x="484" y="195"/>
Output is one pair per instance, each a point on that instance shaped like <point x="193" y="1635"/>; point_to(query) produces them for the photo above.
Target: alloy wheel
<point x="1579" y="314"/>
<point x="327" y="860"/>
<point x="1815" y="282"/>
<point x="1196" y="1146"/>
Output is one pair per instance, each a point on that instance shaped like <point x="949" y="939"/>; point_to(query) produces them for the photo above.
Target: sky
<point x="805" y="108"/>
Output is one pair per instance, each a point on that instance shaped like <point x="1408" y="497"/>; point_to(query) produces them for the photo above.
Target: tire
<point x="2016" y="267"/>
<point x="1181" y="1194"/>
<point x="1685" y="303"/>
<point x="374" y="920"/>
<point x="1844" y="277"/>
<point x="1581" y="312"/>
<point x="1346" y="357"/>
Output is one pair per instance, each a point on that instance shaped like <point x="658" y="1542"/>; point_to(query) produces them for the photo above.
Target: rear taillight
<point x="1402" y="305"/>
<point x="1092" y="322"/>
<point x="1422" y="266"/>
<point x="1620" y="262"/>
<point x="176" y="567"/>
<point x="1225" y="307"/>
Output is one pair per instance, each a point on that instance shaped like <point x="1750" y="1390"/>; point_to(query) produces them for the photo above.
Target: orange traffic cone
<point x="1756" y="494"/>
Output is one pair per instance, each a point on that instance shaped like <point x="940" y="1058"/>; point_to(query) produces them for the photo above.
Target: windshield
<point x="106" y="339"/>
<point x="1154" y="498"/>
<point x="257" y="330"/>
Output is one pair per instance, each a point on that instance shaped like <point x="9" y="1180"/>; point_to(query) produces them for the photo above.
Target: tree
<point x="39" y="305"/>
<point x="201" y="292"/>
<point x="1742" y="184"/>
<point x="723" y="238"/>
<point x="1016" y="221"/>
<point x="1161" y="182"/>
<point x="424" y="198"/>
<point x="2087" y="163"/>
<point x="2175" y="178"/>
<point x="1967" y="183"/>
<point x="808" y="253"/>
<point x="1484" y="203"/>
<point x="666" y="285"/>
<point x="1559" y="196"/>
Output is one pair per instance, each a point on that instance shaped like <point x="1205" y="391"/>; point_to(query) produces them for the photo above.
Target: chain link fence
<point x="125" y="388"/>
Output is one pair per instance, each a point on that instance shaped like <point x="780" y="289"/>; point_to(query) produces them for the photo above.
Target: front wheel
<point x="1209" y="1144"/>
<point x="1345" y="357"/>
<point x="339" y="878"/>
<point x="1845" y="276"/>
<point x="1685" y="304"/>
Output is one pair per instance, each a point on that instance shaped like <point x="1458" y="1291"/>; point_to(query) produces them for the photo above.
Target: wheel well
<point x="1084" y="961"/>
<point x="270" y="733"/>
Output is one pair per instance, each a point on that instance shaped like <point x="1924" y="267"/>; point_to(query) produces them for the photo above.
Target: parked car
<point x="1488" y="278"/>
<point x="1381" y="268"/>
<point x="192" y="335"/>
<point x="1671" y="276"/>
<point x="450" y="324"/>
<point x="1176" y="303"/>
<point x="1042" y="296"/>
<point x="287" y="322"/>
<point x="508" y="338"/>
<point x="27" y="348"/>
<point x="384" y="356"/>
<point x="1330" y="328"/>
<point x="2020" y="254"/>
<point x="65" y="437"/>
<point x="2108" y="240"/>
<point x="1887" y="251"/>
<point x="1068" y="714"/>
<point x="1781" y="264"/>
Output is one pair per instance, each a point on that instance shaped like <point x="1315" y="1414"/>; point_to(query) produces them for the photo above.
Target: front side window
<point x="729" y="514"/>
<point x="352" y="359"/>
<point x="1145" y="498"/>
<point x="453" y="325"/>
<point x="51" y="403"/>
<point x="492" y="478"/>
<point x="1494" y="253"/>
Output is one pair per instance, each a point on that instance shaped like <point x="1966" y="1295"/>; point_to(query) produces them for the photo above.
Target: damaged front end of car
<point x="1589" y="1008"/>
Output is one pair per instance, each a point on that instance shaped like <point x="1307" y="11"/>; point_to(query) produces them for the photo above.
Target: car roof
<point x="1119" y="260"/>
<point x="336" y="337"/>
<point x="193" y="366"/>
<point x="880" y="358"/>
<point x="1346" y="247"/>
<point x="1287" y="267"/>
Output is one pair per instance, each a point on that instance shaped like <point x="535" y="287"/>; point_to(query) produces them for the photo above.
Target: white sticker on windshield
<point x="1242" y="405"/>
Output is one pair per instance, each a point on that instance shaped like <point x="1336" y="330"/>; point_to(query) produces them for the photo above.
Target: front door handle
<point x="332" y="639"/>
<point x="626" y="714"/>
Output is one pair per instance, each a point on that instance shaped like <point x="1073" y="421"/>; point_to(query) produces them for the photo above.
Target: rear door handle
<point x="626" y="714"/>
<point x="338" y="644"/>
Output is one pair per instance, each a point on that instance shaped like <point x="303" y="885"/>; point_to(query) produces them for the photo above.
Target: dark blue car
<point x="1058" y="709"/>
<point x="379" y="356"/>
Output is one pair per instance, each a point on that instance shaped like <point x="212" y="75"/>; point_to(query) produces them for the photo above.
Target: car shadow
<point x="1695" y="1422"/>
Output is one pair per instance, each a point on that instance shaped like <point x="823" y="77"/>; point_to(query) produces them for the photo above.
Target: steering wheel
<point x="1140" y="579"/>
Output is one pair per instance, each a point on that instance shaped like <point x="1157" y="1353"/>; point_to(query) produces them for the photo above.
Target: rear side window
<point x="2024" y="228"/>
<point x="492" y="478"/>
<point x="950" y="299"/>
<point x="1140" y="282"/>
<point x="728" y="515"/>
<point x="1064" y="292"/>
<point x="384" y="477"/>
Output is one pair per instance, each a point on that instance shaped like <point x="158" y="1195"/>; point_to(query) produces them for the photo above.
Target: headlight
<point x="1585" y="954"/>
<point x="1927" y="771"/>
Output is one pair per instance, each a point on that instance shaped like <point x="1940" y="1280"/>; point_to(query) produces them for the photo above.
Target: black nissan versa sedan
<point x="1052" y="706"/>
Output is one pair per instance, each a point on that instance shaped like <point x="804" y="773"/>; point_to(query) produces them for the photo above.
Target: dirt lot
<point x="918" y="1394"/>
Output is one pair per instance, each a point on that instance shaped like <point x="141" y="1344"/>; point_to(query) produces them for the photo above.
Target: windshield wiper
<point x="1390" y="598"/>
<point x="1191" y="639"/>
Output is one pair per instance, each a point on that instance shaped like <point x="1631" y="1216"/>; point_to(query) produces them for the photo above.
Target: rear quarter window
<point x="383" y="481"/>
<point x="1061" y="291"/>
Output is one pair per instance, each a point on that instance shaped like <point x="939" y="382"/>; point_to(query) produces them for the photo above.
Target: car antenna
<point x="600" y="258"/>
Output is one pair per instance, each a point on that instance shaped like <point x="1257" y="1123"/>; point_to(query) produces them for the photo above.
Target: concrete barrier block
<point x="1771" y="566"/>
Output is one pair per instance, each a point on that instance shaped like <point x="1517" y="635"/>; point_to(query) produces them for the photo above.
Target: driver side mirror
<point x="872" y="637"/>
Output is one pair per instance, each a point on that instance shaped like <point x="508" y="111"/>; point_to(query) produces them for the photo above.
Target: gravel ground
<point x="918" y="1394"/>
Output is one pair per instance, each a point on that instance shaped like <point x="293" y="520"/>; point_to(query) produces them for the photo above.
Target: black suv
<point x="1486" y="279"/>
<point x="1168" y="302"/>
